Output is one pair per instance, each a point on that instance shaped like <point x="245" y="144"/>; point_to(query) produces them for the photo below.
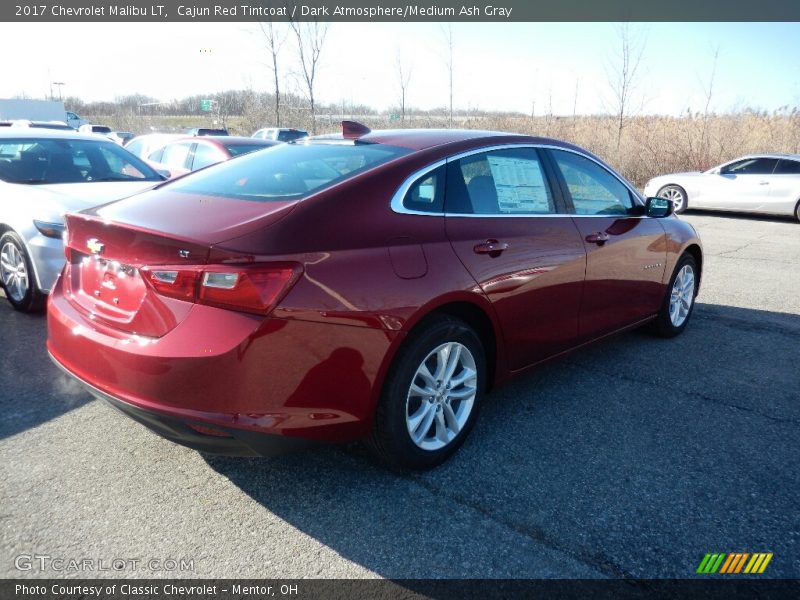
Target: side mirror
<point x="658" y="207"/>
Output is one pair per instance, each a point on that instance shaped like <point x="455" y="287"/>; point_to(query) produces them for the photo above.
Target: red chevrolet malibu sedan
<point x="373" y="285"/>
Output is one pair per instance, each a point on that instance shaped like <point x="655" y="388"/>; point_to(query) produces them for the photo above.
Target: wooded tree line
<point x="639" y="146"/>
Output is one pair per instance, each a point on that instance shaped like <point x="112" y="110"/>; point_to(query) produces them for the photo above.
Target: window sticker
<point x="520" y="185"/>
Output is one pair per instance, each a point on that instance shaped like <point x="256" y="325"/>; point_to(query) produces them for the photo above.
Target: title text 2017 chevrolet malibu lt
<point x="371" y="286"/>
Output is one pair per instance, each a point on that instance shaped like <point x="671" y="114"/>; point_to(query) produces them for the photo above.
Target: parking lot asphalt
<point x="634" y="457"/>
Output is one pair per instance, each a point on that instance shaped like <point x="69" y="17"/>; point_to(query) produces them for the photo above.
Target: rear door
<point x="508" y="228"/>
<point x="625" y="252"/>
<point x="784" y="189"/>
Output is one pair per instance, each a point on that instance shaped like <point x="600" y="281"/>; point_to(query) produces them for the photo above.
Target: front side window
<point x="503" y="182"/>
<point x="751" y="166"/>
<point x="594" y="190"/>
<point x="287" y="171"/>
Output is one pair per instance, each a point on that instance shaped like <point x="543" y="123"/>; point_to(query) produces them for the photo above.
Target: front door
<point x="625" y="252"/>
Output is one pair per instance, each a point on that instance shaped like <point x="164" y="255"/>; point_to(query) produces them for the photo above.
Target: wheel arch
<point x="6" y="228"/>
<point x="697" y="254"/>
<point x="470" y="307"/>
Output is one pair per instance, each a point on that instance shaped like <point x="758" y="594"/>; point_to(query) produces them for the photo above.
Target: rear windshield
<point x="288" y="135"/>
<point x="42" y="161"/>
<point x="237" y="149"/>
<point x="287" y="171"/>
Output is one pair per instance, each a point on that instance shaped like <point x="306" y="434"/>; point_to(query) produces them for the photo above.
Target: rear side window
<point x="593" y="189"/>
<point x="503" y="182"/>
<point x="205" y="155"/>
<point x="287" y="171"/>
<point x="427" y="193"/>
<point x="788" y="167"/>
<point x="176" y="155"/>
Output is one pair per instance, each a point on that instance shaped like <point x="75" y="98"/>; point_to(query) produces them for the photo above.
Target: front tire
<point x="677" y="195"/>
<point x="431" y="397"/>
<point x="16" y="273"/>
<point x="679" y="300"/>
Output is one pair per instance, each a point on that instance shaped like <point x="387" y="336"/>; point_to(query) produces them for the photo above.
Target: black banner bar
<point x="398" y="11"/>
<point x="713" y="588"/>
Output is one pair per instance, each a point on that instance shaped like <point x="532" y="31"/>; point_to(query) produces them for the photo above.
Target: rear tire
<point x="679" y="299"/>
<point x="431" y="397"/>
<point x="17" y="275"/>
<point x="677" y="195"/>
<point x="797" y="211"/>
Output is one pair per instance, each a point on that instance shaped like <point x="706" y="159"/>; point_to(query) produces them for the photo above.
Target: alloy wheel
<point x="441" y="396"/>
<point x="682" y="296"/>
<point x="675" y="196"/>
<point x="14" y="272"/>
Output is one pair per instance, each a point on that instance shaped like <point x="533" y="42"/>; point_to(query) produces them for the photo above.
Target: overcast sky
<point x="496" y="66"/>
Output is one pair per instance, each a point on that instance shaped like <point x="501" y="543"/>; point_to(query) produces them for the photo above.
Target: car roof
<point x="422" y="139"/>
<point x="223" y="140"/>
<point x="778" y="155"/>
<point x="42" y="133"/>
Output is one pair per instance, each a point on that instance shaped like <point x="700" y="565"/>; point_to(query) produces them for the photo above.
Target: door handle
<point x="490" y="246"/>
<point x="763" y="183"/>
<point x="598" y="238"/>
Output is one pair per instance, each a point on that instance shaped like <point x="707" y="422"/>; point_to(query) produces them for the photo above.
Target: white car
<point x="44" y="174"/>
<point x="762" y="183"/>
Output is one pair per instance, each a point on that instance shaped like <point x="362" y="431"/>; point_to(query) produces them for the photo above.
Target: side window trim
<point x="562" y="199"/>
<point x="401" y="193"/>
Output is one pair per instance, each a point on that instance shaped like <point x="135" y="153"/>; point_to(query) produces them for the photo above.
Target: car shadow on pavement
<point x="634" y="457"/>
<point x="32" y="389"/>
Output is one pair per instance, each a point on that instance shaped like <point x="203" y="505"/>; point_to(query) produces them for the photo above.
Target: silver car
<point x="44" y="174"/>
<point x="763" y="183"/>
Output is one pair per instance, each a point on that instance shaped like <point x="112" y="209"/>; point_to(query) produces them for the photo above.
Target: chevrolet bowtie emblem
<point x="95" y="246"/>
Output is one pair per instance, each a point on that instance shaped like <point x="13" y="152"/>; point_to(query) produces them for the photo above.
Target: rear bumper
<point x="226" y="442"/>
<point x="233" y="373"/>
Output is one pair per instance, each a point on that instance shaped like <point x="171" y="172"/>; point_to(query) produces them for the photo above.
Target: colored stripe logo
<point x="734" y="562"/>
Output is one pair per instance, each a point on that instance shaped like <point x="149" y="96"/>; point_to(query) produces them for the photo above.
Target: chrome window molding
<point x="398" y="197"/>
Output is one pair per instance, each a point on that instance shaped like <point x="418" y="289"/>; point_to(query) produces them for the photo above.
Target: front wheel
<point x="679" y="300"/>
<point x="677" y="195"/>
<point x="16" y="272"/>
<point x="431" y="397"/>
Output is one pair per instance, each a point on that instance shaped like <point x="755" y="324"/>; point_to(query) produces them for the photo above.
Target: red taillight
<point x="252" y="288"/>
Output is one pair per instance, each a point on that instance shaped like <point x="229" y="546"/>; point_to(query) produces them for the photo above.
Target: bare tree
<point x="703" y="158"/>
<point x="575" y="99"/>
<point x="310" y="39"/>
<point x="448" y="39"/>
<point x="404" y="78"/>
<point x="623" y="74"/>
<point x="274" y="39"/>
